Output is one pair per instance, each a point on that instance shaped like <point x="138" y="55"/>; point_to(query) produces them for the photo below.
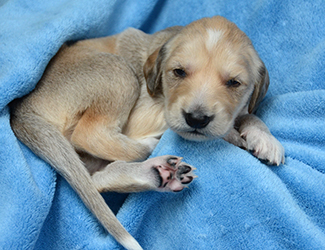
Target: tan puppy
<point x="109" y="99"/>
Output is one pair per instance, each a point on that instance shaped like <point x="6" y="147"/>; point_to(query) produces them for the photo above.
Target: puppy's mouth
<point x="195" y="132"/>
<point x="194" y="135"/>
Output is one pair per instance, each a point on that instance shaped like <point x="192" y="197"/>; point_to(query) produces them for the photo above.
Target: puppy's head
<point x="208" y="73"/>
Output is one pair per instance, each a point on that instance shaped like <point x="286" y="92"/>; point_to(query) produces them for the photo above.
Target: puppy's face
<point x="208" y="74"/>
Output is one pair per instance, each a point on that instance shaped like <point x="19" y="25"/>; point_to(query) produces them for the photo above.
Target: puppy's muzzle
<point x="197" y="120"/>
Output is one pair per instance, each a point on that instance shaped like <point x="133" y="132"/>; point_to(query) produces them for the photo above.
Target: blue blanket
<point x="237" y="202"/>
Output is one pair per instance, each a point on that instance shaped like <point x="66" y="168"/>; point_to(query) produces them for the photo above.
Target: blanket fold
<point x="237" y="202"/>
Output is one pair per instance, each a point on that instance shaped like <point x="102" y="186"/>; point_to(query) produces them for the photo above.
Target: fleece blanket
<point x="237" y="202"/>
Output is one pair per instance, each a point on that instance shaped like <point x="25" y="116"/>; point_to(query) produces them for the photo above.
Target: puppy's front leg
<point x="259" y="139"/>
<point x="234" y="137"/>
<point x="164" y="173"/>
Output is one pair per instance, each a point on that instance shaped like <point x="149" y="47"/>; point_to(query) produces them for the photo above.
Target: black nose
<point x="197" y="120"/>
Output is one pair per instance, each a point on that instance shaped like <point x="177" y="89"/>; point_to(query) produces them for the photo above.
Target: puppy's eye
<point x="233" y="83"/>
<point x="179" y="73"/>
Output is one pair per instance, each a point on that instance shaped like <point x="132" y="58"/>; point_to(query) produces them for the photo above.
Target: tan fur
<point x="110" y="99"/>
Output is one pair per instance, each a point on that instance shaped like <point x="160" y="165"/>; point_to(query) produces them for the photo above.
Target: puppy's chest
<point x="146" y="119"/>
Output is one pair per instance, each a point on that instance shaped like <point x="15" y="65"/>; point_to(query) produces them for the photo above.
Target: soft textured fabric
<point x="237" y="202"/>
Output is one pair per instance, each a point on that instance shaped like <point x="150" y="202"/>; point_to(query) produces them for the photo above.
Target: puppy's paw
<point x="173" y="174"/>
<point x="264" y="146"/>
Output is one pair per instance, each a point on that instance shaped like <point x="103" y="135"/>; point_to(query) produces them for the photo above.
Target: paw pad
<point x="175" y="174"/>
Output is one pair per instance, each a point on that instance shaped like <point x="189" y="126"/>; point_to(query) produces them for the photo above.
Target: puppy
<point x="108" y="100"/>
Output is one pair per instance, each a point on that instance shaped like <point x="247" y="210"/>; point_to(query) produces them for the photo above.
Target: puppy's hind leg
<point x="100" y="135"/>
<point x="164" y="173"/>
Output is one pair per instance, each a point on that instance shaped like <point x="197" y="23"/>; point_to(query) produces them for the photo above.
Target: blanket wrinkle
<point x="237" y="202"/>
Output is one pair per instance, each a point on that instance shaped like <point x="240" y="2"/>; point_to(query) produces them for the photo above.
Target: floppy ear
<point x="152" y="70"/>
<point x="260" y="89"/>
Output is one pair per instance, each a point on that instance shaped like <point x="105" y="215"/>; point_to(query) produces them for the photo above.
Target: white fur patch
<point x="213" y="38"/>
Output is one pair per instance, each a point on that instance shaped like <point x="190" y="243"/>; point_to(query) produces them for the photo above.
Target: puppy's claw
<point x="264" y="146"/>
<point x="174" y="161"/>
